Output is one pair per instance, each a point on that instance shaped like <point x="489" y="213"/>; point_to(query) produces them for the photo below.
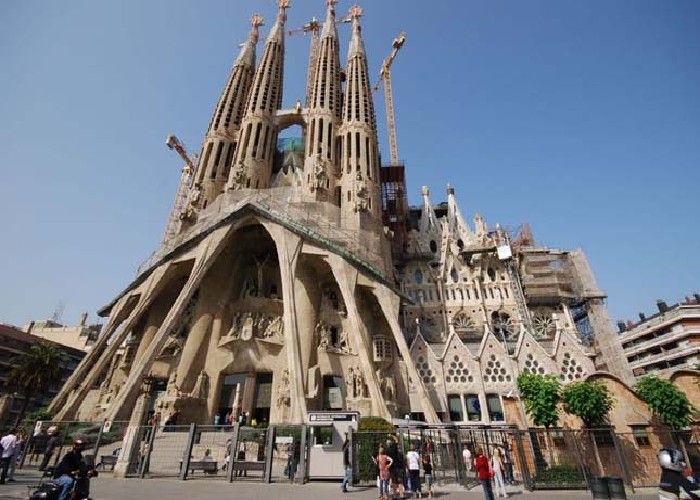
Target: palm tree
<point x="34" y="372"/>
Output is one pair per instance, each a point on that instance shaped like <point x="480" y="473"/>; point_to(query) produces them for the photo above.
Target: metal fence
<point x="534" y="459"/>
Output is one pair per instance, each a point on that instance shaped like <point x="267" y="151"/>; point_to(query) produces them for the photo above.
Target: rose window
<point x="495" y="372"/>
<point x="544" y="327"/>
<point x="458" y="373"/>
<point x="570" y="369"/>
<point x="425" y="371"/>
<point x="503" y="326"/>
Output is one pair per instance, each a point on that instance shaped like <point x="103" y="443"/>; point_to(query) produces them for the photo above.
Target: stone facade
<point x="284" y="293"/>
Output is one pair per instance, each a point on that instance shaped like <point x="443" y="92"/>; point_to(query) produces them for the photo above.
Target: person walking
<point x="51" y="445"/>
<point x="499" y="469"/>
<point x="19" y="446"/>
<point x="413" y="462"/>
<point x="347" y="466"/>
<point x="483" y="472"/>
<point x="384" y="463"/>
<point x="428" y="475"/>
<point x="8" y="444"/>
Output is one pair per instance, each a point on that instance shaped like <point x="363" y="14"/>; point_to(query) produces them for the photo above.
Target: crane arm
<point x="385" y="76"/>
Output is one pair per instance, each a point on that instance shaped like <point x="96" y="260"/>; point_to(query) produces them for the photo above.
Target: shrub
<point x="560" y="475"/>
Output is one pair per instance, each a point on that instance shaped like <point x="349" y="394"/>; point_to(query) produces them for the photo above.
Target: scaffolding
<point x="395" y="206"/>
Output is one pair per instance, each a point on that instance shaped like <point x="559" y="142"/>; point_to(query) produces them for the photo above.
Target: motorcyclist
<point x="672" y="479"/>
<point x="69" y="468"/>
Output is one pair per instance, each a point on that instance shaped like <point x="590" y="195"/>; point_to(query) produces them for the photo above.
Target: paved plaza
<point x="107" y="488"/>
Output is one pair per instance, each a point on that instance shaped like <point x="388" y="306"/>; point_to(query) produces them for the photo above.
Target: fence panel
<point x="249" y="459"/>
<point x="164" y="458"/>
<point x="285" y="453"/>
<point x="553" y="458"/>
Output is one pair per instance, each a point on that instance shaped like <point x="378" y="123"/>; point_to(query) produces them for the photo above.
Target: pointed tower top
<point x="256" y="21"/>
<point x="277" y="31"/>
<point x="329" y="28"/>
<point x="356" y="44"/>
<point x="425" y="191"/>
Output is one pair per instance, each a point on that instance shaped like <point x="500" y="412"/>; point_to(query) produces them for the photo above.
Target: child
<point x="428" y="475"/>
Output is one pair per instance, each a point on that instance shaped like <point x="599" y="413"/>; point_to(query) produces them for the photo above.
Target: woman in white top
<point x="498" y="472"/>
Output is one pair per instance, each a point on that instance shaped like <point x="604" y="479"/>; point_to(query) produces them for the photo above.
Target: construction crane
<point x="183" y="189"/>
<point x="385" y="76"/>
<point x="314" y="27"/>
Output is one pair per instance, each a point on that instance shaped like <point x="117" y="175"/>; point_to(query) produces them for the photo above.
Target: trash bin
<point x="616" y="488"/>
<point x="599" y="488"/>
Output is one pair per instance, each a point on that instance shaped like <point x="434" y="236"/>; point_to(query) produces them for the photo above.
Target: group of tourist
<point x="396" y="472"/>
<point x="489" y="468"/>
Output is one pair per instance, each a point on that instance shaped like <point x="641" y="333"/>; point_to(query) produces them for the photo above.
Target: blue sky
<point x="581" y="118"/>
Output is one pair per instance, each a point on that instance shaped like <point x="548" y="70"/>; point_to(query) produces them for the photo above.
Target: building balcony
<point x="666" y="356"/>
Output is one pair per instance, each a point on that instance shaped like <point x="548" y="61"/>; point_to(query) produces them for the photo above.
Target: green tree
<point x="592" y="403"/>
<point x="540" y="393"/>
<point x="34" y="371"/>
<point x="665" y="400"/>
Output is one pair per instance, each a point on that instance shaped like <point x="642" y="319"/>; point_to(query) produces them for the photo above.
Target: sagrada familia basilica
<point x="299" y="279"/>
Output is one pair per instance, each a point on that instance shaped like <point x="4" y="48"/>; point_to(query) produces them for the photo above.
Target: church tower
<point x="221" y="139"/>
<point x="252" y="164"/>
<point x="324" y="110"/>
<point x="359" y="184"/>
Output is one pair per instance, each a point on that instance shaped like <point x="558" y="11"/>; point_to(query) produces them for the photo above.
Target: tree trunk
<point x="548" y="440"/>
<point x="598" y="461"/>
<point x="25" y="404"/>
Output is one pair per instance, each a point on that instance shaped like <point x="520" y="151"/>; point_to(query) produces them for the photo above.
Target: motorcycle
<point x="51" y="490"/>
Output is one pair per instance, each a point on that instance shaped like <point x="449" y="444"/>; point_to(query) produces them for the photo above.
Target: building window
<point x="332" y="392"/>
<point x="473" y="405"/>
<point x="454" y="403"/>
<point x="382" y="350"/>
<point x="493" y="403"/>
<point x="641" y="437"/>
<point x="418" y="277"/>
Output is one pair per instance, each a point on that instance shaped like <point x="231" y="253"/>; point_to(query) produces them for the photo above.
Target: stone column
<point x="288" y="249"/>
<point x="346" y="276"/>
<point x="211" y="247"/>
<point x="86" y="379"/>
<point x="389" y="303"/>
<point x="132" y="441"/>
<point x="195" y="341"/>
<point x="214" y="377"/>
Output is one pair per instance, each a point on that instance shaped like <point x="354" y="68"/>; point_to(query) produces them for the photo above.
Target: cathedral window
<point x="491" y="273"/>
<point x="229" y="158"/>
<point x="210" y="146"/>
<point x="433" y="246"/>
<point x="570" y="370"/>
<point x="495" y="371"/>
<point x="507" y="295"/>
<point x="458" y="373"/>
<point x="454" y="403"/>
<point x="533" y="366"/>
<point x="453" y="275"/>
<point x="468" y="295"/>
<point x="329" y="140"/>
<point x="491" y="292"/>
<point x="357" y="145"/>
<point x="425" y="371"/>
<point x="493" y="403"/>
<point x="310" y="139"/>
<point x="382" y="350"/>
<point x="319" y="140"/>
<point x="473" y="405"/>
<point x="418" y="277"/>
<point x="264" y="143"/>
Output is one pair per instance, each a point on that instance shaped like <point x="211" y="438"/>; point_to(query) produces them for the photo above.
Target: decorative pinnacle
<point x="256" y="21"/>
<point x="283" y="5"/>
<point x="450" y="189"/>
<point x="425" y="191"/>
<point x="355" y="11"/>
<point x="331" y="3"/>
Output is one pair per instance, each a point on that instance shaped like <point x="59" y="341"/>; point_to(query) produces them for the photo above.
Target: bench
<point x="206" y="466"/>
<point x="105" y="460"/>
<point x="249" y="466"/>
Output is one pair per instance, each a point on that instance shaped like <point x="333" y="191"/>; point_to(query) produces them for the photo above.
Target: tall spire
<point x="360" y="155"/>
<point x="220" y="141"/>
<point x="252" y="165"/>
<point x="324" y="108"/>
<point x="457" y="224"/>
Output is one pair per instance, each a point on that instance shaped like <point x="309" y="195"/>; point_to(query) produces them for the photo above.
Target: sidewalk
<point x="107" y="488"/>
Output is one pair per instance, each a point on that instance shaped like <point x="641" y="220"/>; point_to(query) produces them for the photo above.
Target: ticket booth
<point x="326" y="433"/>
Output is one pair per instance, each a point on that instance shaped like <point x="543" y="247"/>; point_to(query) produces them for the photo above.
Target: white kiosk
<point x="325" y="442"/>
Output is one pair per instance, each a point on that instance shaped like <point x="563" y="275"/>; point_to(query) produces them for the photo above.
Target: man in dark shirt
<point x="347" y="466"/>
<point x="68" y="468"/>
<point x="51" y="443"/>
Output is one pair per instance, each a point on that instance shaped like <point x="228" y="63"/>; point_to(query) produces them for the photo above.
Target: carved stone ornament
<point x="327" y="341"/>
<point x="246" y="326"/>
